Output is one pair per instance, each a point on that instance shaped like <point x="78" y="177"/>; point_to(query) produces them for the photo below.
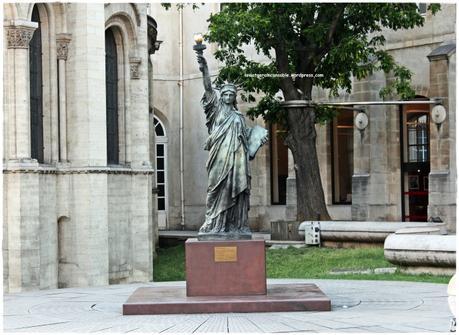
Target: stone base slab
<point x="279" y="298"/>
<point x="224" y="236"/>
<point x="223" y="268"/>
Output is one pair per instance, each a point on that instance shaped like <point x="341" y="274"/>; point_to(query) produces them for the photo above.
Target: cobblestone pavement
<point x="357" y="306"/>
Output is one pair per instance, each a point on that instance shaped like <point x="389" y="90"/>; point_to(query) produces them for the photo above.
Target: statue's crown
<point x="228" y="87"/>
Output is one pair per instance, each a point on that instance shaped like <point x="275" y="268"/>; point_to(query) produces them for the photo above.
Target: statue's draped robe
<point x="228" y="170"/>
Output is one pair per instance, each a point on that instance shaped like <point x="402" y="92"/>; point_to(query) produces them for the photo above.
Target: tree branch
<point x="282" y="64"/>
<point x="334" y="23"/>
<point x="330" y="34"/>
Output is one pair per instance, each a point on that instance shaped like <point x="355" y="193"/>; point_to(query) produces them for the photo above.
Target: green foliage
<point x="326" y="44"/>
<point x="301" y="263"/>
<point x="325" y="113"/>
<point x="167" y="5"/>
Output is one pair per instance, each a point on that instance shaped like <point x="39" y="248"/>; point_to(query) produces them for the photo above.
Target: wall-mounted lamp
<point x="361" y="123"/>
<point x="438" y="115"/>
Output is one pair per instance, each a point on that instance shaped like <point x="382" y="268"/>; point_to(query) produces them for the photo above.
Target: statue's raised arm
<point x="209" y="101"/>
<point x="205" y="74"/>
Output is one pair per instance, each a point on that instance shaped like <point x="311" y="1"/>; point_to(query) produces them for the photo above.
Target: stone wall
<point x="377" y="177"/>
<point x="376" y="191"/>
<point x="48" y="232"/>
<point x="442" y="177"/>
<point x="21" y="246"/>
<point x="74" y="221"/>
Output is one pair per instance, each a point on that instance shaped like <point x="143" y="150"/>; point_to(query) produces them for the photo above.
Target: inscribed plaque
<point x="225" y="254"/>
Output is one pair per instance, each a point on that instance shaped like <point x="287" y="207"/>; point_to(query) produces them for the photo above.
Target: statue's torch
<point x="199" y="47"/>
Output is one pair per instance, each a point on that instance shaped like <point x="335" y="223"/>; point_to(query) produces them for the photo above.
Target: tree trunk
<point x="301" y="140"/>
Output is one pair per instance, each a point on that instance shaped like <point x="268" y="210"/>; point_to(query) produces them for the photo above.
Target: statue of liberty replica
<point x="231" y="144"/>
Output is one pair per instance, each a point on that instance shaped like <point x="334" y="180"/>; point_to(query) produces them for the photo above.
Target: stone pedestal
<point x="279" y="298"/>
<point x="225" y="268"/>
<point x="226" y="277"/>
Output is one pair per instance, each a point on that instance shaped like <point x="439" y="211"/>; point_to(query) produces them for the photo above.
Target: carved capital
<point x="62" y="45"/>
<point x="19" y="37"/>
<point x="134" y="64"/>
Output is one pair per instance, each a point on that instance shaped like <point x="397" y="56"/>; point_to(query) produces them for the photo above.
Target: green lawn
<point x="301" y="263"/>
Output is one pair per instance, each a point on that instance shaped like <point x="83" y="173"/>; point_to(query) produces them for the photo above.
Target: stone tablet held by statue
<point x="256" y="140"/>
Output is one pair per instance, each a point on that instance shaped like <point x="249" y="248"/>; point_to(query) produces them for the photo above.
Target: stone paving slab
<point x="357" y="307"/>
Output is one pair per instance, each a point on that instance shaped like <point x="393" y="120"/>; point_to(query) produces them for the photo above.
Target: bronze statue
<point x="231" y="144"/>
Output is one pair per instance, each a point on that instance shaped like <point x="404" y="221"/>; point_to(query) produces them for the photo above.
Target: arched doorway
<point x="415" y="163"/>
<point x="161" y="172"/>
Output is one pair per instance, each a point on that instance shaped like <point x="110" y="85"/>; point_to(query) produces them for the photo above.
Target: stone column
<point x="63" y="41"/>
<point x="85" y="74"/>
<point x="138" y="154"/>
<point x="137" y="151"/>
<point x="87" y="261"/>
<point x="21" y="214"/>
<point x="371" y="181"/>
<point x="442" y="177"/>
<point x="18" y="35"/>
<point x="361" y="175"/>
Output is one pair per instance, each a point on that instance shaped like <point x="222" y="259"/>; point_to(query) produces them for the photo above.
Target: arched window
<point x="111" y="94"/>
<point x="161" y="146"/>
<point x="36" y="91"/>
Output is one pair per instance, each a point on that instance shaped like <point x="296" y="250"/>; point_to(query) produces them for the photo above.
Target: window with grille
<point x="418" y="139"/>
<point x="422" y="8"/>
<point x="161" y="162"/>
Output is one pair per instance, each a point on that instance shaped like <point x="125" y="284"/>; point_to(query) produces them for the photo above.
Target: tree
<point x="326" y="44"/>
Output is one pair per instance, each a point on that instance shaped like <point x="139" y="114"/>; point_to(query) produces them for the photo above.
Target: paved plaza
<point x="357" y="306"/>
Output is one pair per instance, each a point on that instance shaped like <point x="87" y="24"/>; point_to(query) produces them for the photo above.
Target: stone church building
<point x="103" y="140"/>
<point x="77" y="173"/>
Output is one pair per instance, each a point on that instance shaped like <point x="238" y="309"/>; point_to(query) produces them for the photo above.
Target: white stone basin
<point x="366" y="231"/>
<point x="419" y="230"/>
<point x="421" y="250"/>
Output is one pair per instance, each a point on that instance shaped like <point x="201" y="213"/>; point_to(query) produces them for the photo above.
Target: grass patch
<point x="303" y="263"/>
<point x="318" y="262"/>
<point x="169" y="265"/>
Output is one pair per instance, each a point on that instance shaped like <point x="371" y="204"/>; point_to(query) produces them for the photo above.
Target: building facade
<point x="104" y="141"/>
<point x="401" y="168"/>
<point x="77" y="170"/>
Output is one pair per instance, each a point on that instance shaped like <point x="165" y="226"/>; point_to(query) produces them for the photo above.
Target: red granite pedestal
<point x="223" y="277"/>
<point x="217" y="268"/>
